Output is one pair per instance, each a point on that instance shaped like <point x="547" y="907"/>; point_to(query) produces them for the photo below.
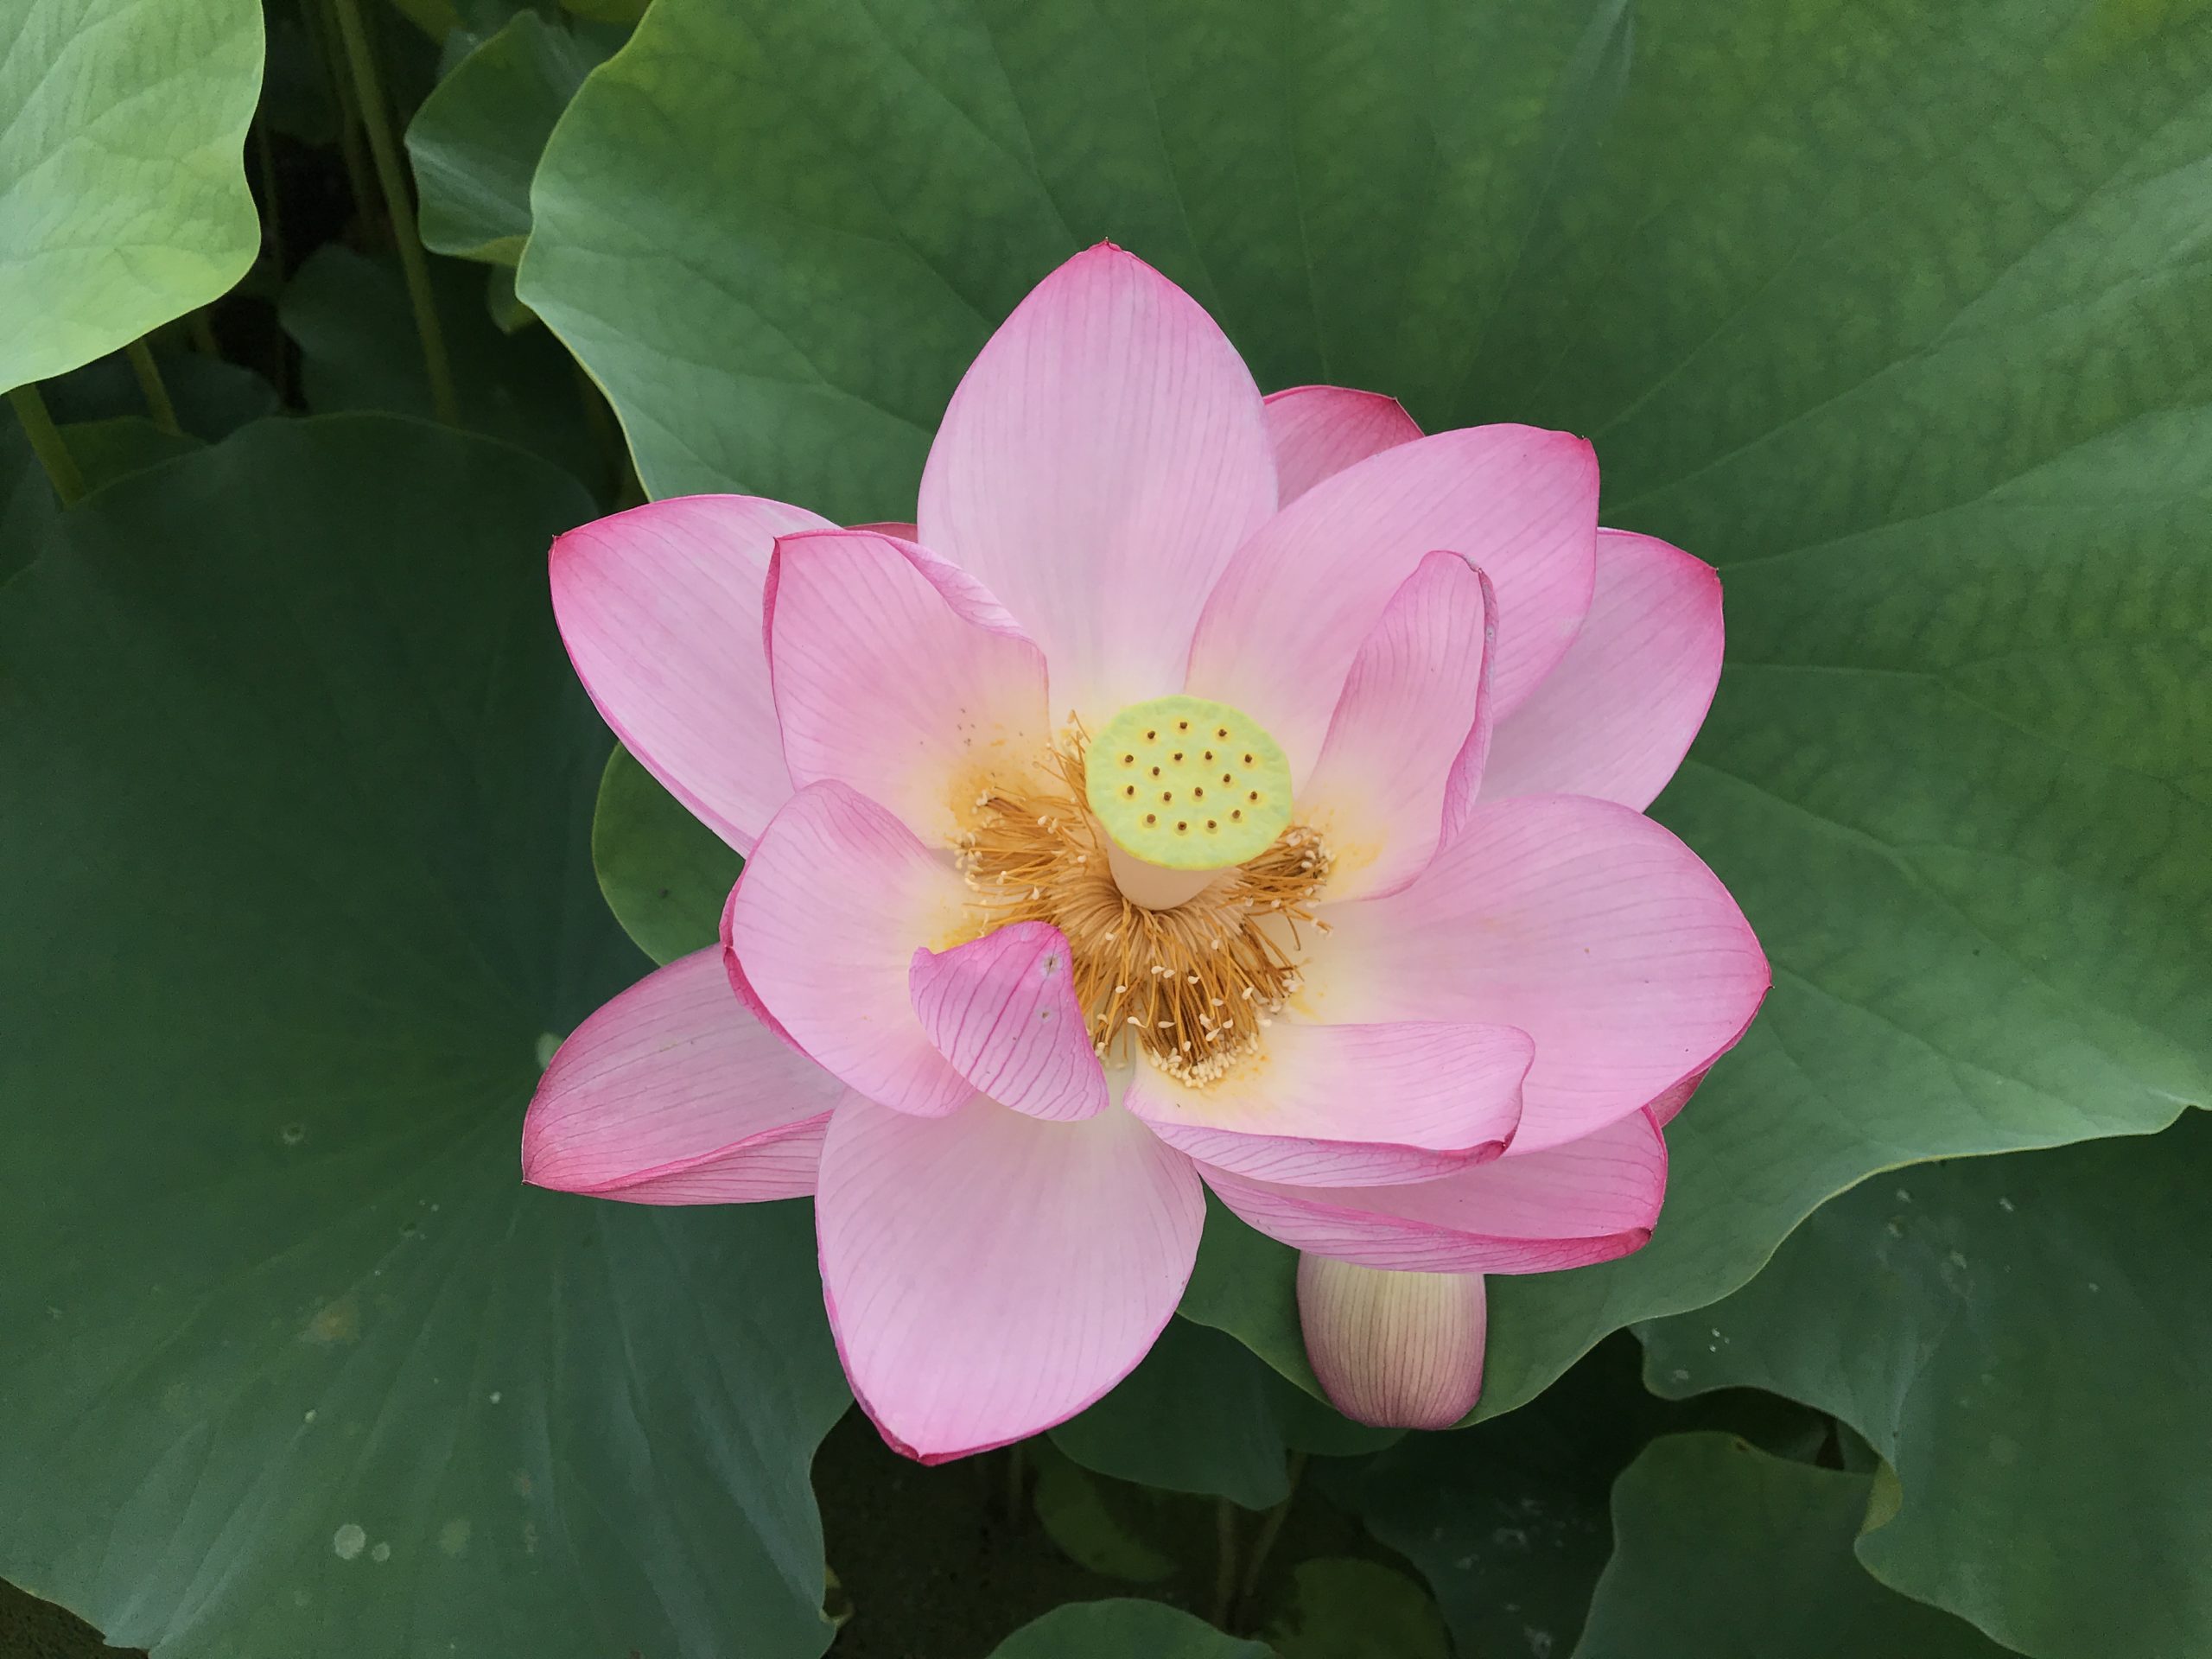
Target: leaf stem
<point x="1224" y="1560"/>
<point x="375" y="119"/>
<point x="1270" y="1529"/>
<point x="151" y="386"/>
<point x="314" y="12"/>
<point x="46" y="443"/>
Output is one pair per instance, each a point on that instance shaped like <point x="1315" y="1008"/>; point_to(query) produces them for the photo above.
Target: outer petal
<point x="673" y="1094"/>
<point x="1317" y="431"/>
<point x="1281" y="629"/>
<point x="1581" y="922"/>
<point x="989" y="1275"/>
<point x="1397" y="1349"/>
<point x="1348" y="1105"/>
<point x="1617" y="715"/>
<point x="1405" y="747"/>
<point x="893" y="676"/>
<point x="823" y="925"/>
<point x="1002" y="1008"/>
<point x="660" y="609"/>
<point x="1587" y="1201"/>
<point x="1099" y="464"/>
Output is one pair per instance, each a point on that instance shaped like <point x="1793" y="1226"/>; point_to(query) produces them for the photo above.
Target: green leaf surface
<point x="1726" y="1553"/>
<point x="2028" y="1340"/>
<point x="298" y="891"/>
<point x="1343" y="1608"/>
<point x="476" y="140"/>
<point x="1895" y="313"/>
<point x="349" y="317"/>
<point x="1090" y="1528"/>
<point x="122" y="193"/>
<point x="666" y="875"/>
<point x="1121" y="1630"/>
<point x="1508" y="1520"/>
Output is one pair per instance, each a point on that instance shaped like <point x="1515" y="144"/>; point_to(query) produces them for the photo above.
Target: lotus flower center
<point x="1163" y="847"/>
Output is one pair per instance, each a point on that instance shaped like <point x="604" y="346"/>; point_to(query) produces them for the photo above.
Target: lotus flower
<point x="1210" y="792"/>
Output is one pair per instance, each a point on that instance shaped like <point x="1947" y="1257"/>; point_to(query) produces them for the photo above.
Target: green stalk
<point x="46" y="443"/>
<point x="329" y="53"/>
<point x="400" y="211"/>
<point x="150" y="384"/>
<point x="1224" y="1560"/>
<point x="1270" y="1529"/>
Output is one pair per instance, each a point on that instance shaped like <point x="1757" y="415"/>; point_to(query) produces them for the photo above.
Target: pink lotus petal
<point x="1002" y="1008"/>
<point x="673" y="1093"/>
<point x="1348" y="1105"/>
<point x="884" y="682"/>
<point x="1616" y="716"/>
<point x="1589" y="1200"/>
<point x="1396" y="1350"/>
<point x="823" y="925"/>
<point x="1666" y="1106"/>
<point x="1317" y="431"/>
<point x="660" y="609"/>
<point x="1280" y="631"/>
<point x="989" y="1275"/>
<point x="898" y="527"/>
<point x="1096" y="468"/>
<point x="1405" y="747"/>
<point x="1579" y="921"/>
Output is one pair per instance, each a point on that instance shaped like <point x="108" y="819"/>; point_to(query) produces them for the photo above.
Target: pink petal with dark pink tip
<point x="1617" y="715"/>
<point x="1099" y="464"/>
<point x="1002" y="1008"/>
<point x="1579" y="921"/>
<point x="823" y="926"/>
<point x="989" y="1274"/>
<point x="1394" y="1349"/>
<point x="673" y="1093"/>
<point x="1348" y="1105"/>
<point x="1317" y="431"/>
<point x="1280" y="631"/>
<point x="660" y="609"/>
<point x="882" y="683"/>
<point x="1406" y="744"/>
<point x="1587" y="1201"/>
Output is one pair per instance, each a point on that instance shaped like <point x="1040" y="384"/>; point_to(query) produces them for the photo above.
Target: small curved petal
<point x="1581" y="922"/>
<point x="1348" y="1105"/>
<point x="673" y="1093"/>
<point x="660" y="609"/>
<point x="1587" y="1201"/>
<point x="823" y="926"/>
<point x="1396" y="1350"/>
<point x="989" y="1275"/>
<point x="1616" y="716"/>
<point x="1668" y="1105"/>
<point x="885" y="680"/>
<point x="1100" y="462"/>
<point x="1281" y="629"/>
<point x="1405" y="747"/>
<point x="1317" y="431"/>
<point x="898" y="527"/>
<point x="1002" y="1008"/>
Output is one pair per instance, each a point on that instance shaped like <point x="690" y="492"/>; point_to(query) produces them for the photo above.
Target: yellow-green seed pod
<point x="1188" y="784"/>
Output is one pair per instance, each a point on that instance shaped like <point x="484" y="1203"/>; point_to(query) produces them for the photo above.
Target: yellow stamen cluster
<point x="1194" y="986"/>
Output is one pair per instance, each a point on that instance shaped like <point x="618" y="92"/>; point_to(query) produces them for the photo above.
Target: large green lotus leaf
<point x="2028" y="1340"/>
<point x="122" y="193"/>
<point x="1722" y="1551"/>
<point x="297" y="900"/>
<point x="1896" y="313"/>
<point x="1118" y="1630"/>
<point x="477" y="139"/>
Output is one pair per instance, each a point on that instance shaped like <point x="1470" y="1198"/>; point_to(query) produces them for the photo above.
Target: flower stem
<point x="150" y="384"/>
<point x="1224" y="1560"/>
<point x="376" y="120"/>
<point x="46" y="443"/>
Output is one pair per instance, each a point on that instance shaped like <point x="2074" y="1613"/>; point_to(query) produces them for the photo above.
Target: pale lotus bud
<point x="1396" y="1350"/>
